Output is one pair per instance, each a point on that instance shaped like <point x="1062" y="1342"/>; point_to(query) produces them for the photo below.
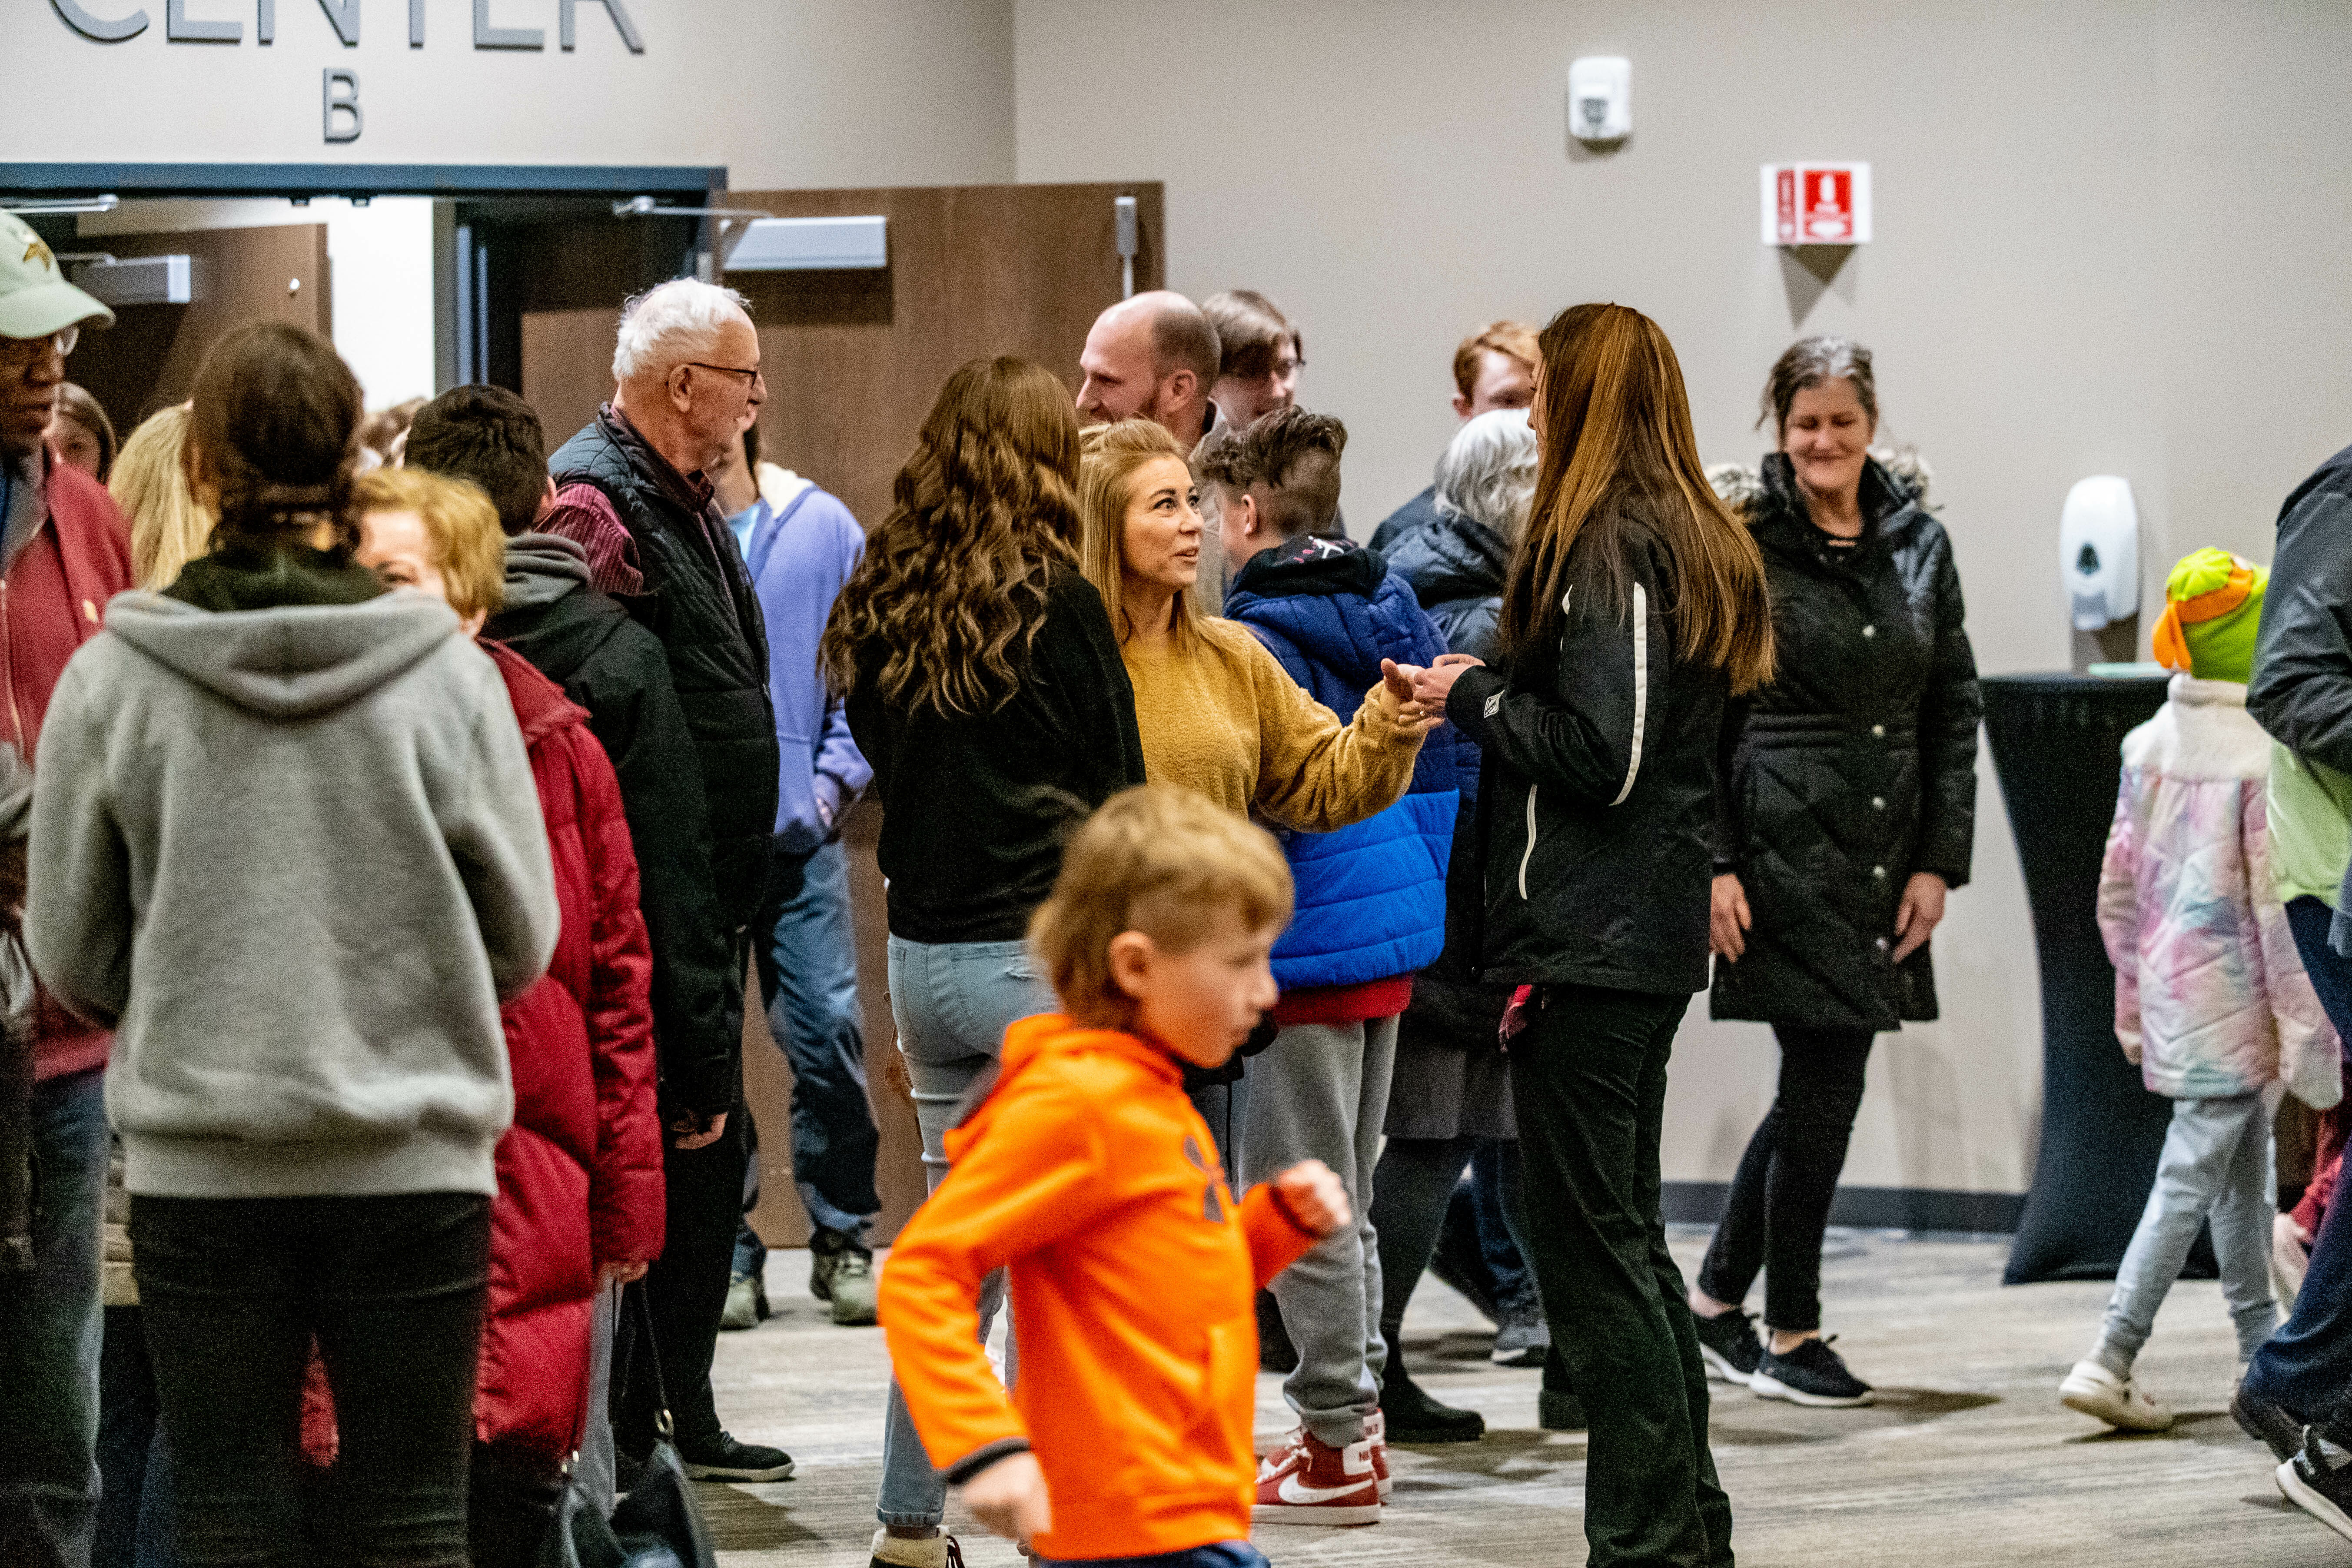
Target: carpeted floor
<point x="1968" y="1459"/>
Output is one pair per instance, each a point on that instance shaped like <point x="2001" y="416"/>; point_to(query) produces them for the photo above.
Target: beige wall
<point x="784" y="92"/>
<point x="2072" y="276"/>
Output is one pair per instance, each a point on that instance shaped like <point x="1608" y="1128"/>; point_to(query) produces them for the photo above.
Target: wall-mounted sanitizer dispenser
<point x="2099" y="552"/>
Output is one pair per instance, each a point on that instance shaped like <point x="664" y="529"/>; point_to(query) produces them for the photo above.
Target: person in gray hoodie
<point x="286" y="843"/>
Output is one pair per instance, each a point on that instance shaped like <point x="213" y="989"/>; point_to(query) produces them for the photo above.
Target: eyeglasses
<point x="18" y="353"/>
<point x="752" y="375"/>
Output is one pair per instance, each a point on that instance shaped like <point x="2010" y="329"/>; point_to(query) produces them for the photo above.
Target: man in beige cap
<point x="64" y="552"/>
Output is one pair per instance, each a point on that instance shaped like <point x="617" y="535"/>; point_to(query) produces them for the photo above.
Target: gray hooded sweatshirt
<point x="295" y="858"/>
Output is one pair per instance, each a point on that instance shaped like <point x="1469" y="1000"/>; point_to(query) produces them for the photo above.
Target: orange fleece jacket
<point x="1088" y="1175"/>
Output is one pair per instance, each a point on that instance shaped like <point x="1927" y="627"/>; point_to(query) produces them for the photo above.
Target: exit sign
<point x="1815" y="204"/>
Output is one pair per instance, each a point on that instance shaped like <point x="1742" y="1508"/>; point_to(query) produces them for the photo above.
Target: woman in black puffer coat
<point x="1847" y="811"/>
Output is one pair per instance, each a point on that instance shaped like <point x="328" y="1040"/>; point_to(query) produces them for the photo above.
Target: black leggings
<point x="1780" y="1195"/>
<point x="1410" y="1190"/>
<point x="231" y="1292"/>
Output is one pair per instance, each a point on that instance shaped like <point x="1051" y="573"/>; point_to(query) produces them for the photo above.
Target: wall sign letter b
<point x="346" y="101"/>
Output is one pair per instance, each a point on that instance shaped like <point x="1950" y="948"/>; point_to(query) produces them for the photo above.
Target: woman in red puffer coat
<point x="579" y="1172"/>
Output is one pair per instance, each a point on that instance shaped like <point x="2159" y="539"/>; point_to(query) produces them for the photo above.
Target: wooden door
<point x="148" y="359"/>
<point x="854" y="361"/>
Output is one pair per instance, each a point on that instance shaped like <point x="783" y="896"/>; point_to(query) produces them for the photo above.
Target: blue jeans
<point x="50" y="1330"/>
<point x="2216" y="1166"/>
<point x="953" y="1003"/>
<point x="1494" y="1195"/>
<point x="2306" y="1366"/>
<point x="1224" y="1555"/>
<point x="808" y="983"/>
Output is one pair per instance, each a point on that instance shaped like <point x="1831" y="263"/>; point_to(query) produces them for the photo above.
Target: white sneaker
<point x="2117" y="1401"/>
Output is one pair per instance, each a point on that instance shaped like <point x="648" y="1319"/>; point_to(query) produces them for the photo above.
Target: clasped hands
<point x="1009" y="1496"/>
<point x="1421" y="691"/>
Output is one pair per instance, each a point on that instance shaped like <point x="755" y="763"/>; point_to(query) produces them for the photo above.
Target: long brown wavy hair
<point x="941" y="612"/>
<point x="1616" y="427"/>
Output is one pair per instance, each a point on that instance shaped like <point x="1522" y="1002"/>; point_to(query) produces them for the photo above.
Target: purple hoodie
<point x="801" y="544"/>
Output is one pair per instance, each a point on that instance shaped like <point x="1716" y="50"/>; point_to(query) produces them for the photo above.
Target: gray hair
<point x="670" y="325"/>
<point x="1810" y="362"/>
<point x="1489" y="472"/>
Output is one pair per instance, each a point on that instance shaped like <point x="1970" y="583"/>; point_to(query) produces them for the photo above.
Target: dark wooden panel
<point x="149" y="358"/>
<point x="974" y="269"/>
<point x="567" y="368"/>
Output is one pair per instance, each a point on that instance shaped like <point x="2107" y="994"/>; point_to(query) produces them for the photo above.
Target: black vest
<point x="698" y="600"/>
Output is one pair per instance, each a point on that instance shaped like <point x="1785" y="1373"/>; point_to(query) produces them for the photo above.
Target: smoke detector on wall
<point x="1601" y="98"/>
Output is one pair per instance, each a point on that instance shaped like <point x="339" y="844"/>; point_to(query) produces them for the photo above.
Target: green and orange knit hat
<point x="2212" y="608"/>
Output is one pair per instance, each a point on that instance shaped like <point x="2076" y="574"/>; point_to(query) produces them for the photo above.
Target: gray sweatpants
<point x="2215" y="1168"/>
<point x="1321" y="1092"/>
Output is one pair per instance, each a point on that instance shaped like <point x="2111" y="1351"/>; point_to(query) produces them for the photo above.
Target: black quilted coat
<point x="1854" y="769"/>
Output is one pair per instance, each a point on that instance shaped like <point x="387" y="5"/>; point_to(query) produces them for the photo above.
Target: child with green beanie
<point x="2211" y="1001"/>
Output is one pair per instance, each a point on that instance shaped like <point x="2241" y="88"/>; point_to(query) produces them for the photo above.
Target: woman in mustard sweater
<point x="1216" y="711"/>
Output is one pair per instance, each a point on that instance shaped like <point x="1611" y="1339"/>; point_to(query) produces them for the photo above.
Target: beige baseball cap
<point x="35" y="298"/>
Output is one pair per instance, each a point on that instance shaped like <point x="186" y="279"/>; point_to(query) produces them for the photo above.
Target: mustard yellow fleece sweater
<point x="1226" y="719"/>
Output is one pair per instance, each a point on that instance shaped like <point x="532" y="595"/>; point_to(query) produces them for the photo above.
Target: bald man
<point x="1155" y="357"/>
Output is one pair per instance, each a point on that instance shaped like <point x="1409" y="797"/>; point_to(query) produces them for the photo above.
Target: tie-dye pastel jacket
<point x="2210" y="999"/>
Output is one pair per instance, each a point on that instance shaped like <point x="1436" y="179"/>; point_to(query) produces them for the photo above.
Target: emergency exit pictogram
<point x="1816" y="204"/>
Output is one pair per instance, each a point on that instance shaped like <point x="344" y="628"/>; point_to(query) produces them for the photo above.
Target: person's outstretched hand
<point x="1397" y="687"/>
<point x="1315" y="1198"/>
<point x="1009" y="1497"/>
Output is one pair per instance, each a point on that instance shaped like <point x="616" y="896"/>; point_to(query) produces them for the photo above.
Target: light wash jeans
<point x="808" y="981"/>
<point x="2216" y="1166"/>
<point x="51" y="1327"/>
<point x="1321" y="1092"/>
<point x="953" y="1003"/>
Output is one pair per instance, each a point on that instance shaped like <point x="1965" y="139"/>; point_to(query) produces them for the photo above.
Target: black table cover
<point x="2056" y="743"/>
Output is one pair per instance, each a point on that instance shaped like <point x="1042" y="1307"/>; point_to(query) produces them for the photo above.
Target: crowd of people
<point x="393" y="809"/>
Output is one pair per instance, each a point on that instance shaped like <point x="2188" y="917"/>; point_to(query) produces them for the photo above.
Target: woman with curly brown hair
<point x="984" y="684"/>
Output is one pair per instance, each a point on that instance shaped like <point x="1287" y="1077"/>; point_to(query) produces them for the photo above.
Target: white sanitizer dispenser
<point x="2099" y="552"/>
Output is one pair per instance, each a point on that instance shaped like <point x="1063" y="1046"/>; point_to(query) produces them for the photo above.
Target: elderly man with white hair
<point x="630" y="492"/>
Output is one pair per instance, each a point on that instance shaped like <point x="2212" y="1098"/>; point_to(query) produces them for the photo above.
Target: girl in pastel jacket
<point x="2211" y="1001"/>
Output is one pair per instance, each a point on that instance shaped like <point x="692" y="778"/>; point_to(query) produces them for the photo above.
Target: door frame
<point x="469" y="316"/>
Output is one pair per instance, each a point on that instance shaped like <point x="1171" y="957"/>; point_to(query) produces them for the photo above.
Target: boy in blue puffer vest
<point x="1370" y="911"/>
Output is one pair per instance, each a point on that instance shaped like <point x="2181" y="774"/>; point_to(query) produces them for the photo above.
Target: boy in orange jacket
<point x="1087" y="1174"/>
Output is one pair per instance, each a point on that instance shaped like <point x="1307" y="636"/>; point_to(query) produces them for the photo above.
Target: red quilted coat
<point x="579" y="1172"/>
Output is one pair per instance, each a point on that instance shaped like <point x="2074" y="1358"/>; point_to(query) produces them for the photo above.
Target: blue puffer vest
<point x="1371" y="898"/>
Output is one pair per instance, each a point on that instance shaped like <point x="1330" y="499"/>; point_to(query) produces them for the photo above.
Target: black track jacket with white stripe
<point x="1596" y="822"/>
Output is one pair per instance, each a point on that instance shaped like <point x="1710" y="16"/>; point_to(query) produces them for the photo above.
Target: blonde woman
<point x="1219" y="714"/>
<point x="169" y="526"/>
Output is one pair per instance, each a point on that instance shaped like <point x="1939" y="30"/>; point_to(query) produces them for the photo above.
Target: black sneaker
<point x="1415" y="1417"/>
<point x="725" y="1460"/>
<point x="1809" y="1374"/>
<point x="2320" y="1488"/>
<point x="2267" y="1422"/>
<point x="1728" y="1346"/>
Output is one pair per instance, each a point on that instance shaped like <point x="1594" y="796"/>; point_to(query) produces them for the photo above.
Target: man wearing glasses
<point x="630" y="491"/>
<point x="64" y="552"/>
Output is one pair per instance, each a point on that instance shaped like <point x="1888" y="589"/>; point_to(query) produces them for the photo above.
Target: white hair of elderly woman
<point x="1488" y="471"/>
<point x="673" y="324"/>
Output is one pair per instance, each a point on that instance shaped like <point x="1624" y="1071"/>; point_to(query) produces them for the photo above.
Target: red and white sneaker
<point x="1307" y="1481"/>
<point x="1376" y="1433"/>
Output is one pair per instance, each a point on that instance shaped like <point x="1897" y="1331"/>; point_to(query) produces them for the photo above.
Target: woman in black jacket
<point x="1634" y="608"/>
<point x="982" y="682"/>
<point x="1849" y="808"/>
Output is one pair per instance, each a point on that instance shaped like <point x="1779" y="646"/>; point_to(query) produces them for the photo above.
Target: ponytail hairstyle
<point x="942" y="609"/>
<point x="269" y="444"/>
<point x="1616" y="428"/>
